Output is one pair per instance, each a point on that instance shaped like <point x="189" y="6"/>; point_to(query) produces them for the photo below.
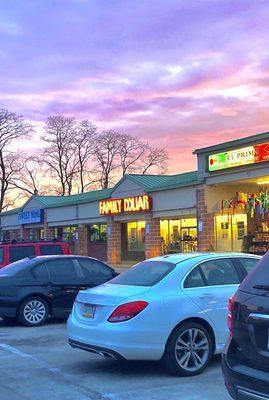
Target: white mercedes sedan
<point x="172" y="308"/>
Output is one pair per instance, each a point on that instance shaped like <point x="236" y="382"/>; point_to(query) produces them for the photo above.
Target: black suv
<point x="245" y="361"/>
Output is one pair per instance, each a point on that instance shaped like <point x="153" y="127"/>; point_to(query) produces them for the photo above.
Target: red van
<point x="14" y="251"/>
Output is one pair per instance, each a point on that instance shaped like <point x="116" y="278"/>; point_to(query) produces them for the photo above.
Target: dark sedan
<point x="35" y="288"/>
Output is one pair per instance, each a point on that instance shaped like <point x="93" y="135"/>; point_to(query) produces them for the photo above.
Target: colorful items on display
<point x="253" y="204"/>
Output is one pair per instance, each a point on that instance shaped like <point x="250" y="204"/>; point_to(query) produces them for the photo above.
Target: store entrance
<point x="230" y="232"/>
<point x="133" y="240"/>
<point x="179" y="235"/>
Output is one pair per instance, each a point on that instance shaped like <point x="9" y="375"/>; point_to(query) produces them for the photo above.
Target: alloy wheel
<point x="34" y="311"/>
<point x="192" y="349"/>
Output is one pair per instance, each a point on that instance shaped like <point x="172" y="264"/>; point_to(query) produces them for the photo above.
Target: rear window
<point x="18" y="252"/>
<point x="50" y="249"/>
<point x="146" y="273"/>
<point x="259" y="276"/>
<point x="16" y="267"/>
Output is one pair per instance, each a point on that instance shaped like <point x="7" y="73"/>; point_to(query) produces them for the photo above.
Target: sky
<point x="181" y="74"/>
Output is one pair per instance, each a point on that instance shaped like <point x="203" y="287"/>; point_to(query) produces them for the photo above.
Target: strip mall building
<point x="223" y="206"/>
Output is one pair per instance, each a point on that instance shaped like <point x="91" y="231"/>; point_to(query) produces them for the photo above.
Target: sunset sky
<point x="181" y="74"/>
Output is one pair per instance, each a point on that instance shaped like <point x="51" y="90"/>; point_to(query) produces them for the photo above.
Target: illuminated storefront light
<point x="239" y="157"/>
<point x="125" y="205"/>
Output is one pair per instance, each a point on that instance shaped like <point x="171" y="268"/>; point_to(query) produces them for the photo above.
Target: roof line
<point x="244" y="140"/>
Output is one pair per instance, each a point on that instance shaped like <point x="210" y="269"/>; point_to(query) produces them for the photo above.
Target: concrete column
<point x="82" y="243"/>
<point x="153" y="238"/>
<point x="113" y="241"/>
<point x="206" y="224"/>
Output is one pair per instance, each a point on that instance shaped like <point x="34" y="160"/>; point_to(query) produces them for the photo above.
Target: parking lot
<point x="37" y="363"/>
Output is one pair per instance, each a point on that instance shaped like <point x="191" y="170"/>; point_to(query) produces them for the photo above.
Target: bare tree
<point x="28" y="179"/>
<point x="107" y="156"/>
<point x="154" y="158"/>
<point x="131" y="150"/>
<point x="85" y="141"/>
<point x="60" y="156"/>
<point x="12" y="128"/>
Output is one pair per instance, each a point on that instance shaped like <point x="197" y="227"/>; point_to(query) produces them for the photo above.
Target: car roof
<point x="55" y="256"/>
<point x="179" y="257"/>
<point x="33" y="242"/>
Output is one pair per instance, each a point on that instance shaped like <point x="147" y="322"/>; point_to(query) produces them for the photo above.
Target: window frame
<point x="78" y="259"/>
<point x="202" y="276"/>
<point x="48" y="274"/>
<point x="50" y="245"/>
<point x="198" y="264"/>
<point x="77" y="282"/>
<point x="12" y="247"/>
<point x="99" y="234"/>
<point x="242" y="269"/>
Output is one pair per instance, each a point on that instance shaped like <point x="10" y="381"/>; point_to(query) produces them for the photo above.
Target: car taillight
<point x="230" y="320"/>
<point x="127" y="311"/>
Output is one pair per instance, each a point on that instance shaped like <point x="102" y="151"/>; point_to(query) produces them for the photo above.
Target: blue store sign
<point x="31" y="216"/>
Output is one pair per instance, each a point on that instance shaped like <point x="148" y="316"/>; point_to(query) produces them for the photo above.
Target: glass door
<point x="136" y="236"/>
<point x="239" y="230"/>
<point x="133" y="240"/>
<point x="230" y="231"/>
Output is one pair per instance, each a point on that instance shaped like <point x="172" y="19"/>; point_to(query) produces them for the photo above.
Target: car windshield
<point x="17" y="266"/>
<point x="146" y="273"/>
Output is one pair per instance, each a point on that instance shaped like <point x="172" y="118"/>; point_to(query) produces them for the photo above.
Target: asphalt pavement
<point x="38" y="364"/>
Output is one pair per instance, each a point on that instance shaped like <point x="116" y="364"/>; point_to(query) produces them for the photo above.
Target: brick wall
<point x="206" y="237"/>
<point x="11" y="234"/>
<point x="113" y="241"/>
<point x="81" y="246"/>
<point x="24" y="233"/>
<point x="153" y="238"/>
<point x="48" y="232"/>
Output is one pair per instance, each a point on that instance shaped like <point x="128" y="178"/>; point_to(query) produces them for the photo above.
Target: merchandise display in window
<point x="179" y="236"/>
<point x="98" y="233"/>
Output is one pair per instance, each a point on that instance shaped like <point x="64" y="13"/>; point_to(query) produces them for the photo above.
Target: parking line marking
<point x="22" y="354"/>
<point x="89" y="393"/>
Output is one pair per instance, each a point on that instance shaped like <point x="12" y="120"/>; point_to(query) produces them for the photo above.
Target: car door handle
<point x="70" y="291"/>
<point x="206" y="296"/>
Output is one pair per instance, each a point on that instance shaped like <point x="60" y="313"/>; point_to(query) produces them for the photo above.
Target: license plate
<point x="88" y="310"/>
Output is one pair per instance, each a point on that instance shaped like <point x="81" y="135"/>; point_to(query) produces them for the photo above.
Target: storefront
<point x="236" y="194"/>
<point x="223" y="206"/>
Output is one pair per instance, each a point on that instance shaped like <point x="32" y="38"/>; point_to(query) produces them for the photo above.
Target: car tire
<point x="33" y="311"/>
<point x="189" y="349"/>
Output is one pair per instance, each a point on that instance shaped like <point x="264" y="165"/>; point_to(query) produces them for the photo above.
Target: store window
<point x="98" y="233"/>
<point x="69" y="234"/>
<point x="136" y="236"/>
<point x="179" y="235"/>
<point x="41" y="233"/>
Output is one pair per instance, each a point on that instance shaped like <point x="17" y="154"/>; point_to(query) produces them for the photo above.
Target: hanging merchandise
<point x="253" y="204"/>
<point x="242" y="198"/>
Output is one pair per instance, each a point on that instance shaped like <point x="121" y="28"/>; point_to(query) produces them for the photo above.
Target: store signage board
<point x="31" y="216"/>
<point x="133" y="204"/>
<point x="239" y="157"/>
